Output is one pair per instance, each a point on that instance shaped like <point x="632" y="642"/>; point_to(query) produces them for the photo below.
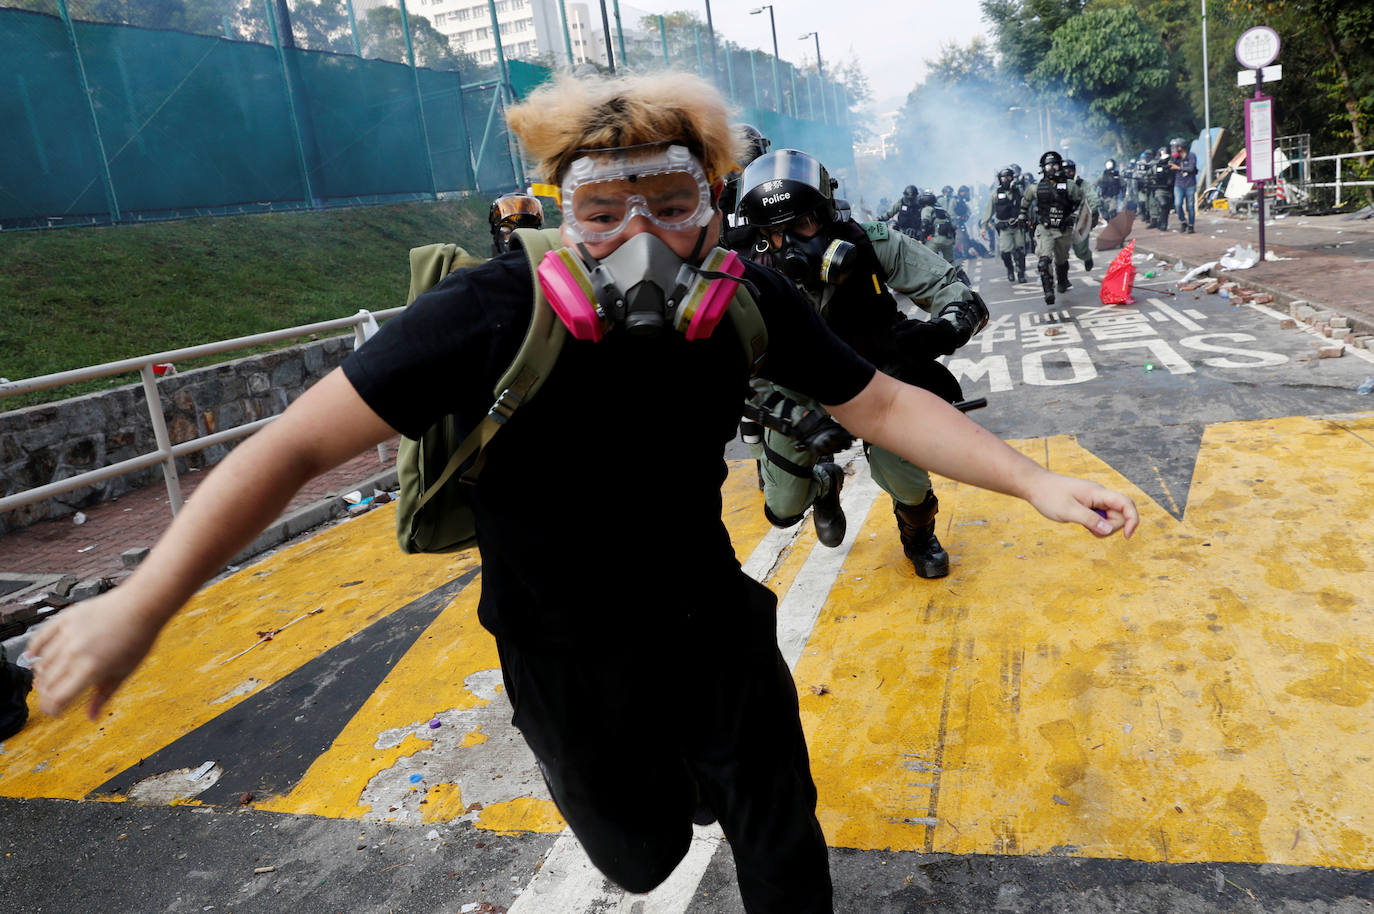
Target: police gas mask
<point x="642" y="286"/>
<point x="816" y="259"/>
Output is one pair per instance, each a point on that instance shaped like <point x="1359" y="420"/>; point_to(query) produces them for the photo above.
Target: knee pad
<point x="1043" y="265"/>
<point x="779" y="521"/>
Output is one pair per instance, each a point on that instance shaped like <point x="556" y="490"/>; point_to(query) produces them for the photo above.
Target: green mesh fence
<point x="123" y="122"/>
<point x="181" y="123"/>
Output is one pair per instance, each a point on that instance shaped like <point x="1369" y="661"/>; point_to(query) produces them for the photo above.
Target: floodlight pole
<point x="773" y="27"/>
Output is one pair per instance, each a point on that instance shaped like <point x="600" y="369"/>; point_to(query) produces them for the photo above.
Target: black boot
<point x="1088" y="263"/>
<point x="1011" y="271"/>
<point x="15" y="683"/>
<point x="1061" y="270"/>
<point x="826" y="512"/>
<point x="1044" y="266"/>
<point x="1020" y="266"/>
<point x="916" y="524"/>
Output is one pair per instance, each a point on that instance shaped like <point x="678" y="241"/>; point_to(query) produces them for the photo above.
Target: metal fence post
<point x="419" y="101"/>
<point x="1338" y="180"/>
<point x="164" y="440"/>
<point x="353" y="30"/>
<point x="110" y="199"/>
<point x="567" y="37"/>
<point x="290" y="104"/>
<point x="753" y="71"/>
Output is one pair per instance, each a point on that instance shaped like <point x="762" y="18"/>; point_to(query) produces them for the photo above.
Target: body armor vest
<point x="1111" y="185"/>
<point x="1006" y="206"/>
<point x="1054" y="205"/>
<point x="1161" y="173"/>
<point x="909" y="217"/>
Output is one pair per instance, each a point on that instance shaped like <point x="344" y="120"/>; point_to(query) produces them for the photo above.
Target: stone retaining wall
<point x="54" y="441"/>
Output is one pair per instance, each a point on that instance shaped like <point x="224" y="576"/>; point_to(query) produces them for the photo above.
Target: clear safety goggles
<point x="606" y="188"/>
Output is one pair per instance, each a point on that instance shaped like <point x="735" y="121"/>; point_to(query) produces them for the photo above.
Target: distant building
<point x="529" y="28"/>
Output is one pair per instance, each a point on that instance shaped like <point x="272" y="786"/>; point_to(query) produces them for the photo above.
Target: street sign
<point x="1259" y="139"/>
<point x="1257" y="47"/>
<point x="1268" y="74"/>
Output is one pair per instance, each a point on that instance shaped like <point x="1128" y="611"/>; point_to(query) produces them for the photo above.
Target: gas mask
<point x="642" y="286"/>
<point x="807" y="261"/>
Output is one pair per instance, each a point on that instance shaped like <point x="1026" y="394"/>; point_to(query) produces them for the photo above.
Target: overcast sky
<point x="891" y="38"/>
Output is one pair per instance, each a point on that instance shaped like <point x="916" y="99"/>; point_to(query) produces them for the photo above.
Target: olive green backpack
<point x="434" y="509"/>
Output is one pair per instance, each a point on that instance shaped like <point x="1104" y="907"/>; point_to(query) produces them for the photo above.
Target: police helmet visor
<point x="782" y="186"/>
<point x="606" y="188"/>
<point x="803" y="169"/>
<point x="517" y="210"/>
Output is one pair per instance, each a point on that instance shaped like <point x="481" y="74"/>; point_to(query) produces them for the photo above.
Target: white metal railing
<point x="1338" y="184"/>
<point x="364" y="324"/>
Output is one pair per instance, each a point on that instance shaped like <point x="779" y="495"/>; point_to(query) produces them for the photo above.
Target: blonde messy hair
<point x="571" y="114"/>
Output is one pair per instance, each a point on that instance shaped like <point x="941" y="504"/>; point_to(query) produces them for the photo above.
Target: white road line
<point x="568" y="883"/>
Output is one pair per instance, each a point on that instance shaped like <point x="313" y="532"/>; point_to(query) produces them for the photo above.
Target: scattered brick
<point x="1288" y="324"/>
<point x="1338" y="333"/>
<point x="1262" y="299"/>
<point x="132" y="557"/>
<point x="1340" y="322"/>
<point x="1188" y="286"/>
<point x="1212" y="287"/>
<point x="1330" y="352"/>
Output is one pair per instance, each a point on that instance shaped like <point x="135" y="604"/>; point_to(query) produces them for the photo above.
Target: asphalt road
<point x="1178" y="723"/>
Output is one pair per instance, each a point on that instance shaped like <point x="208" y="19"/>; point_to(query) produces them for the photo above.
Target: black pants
<point x="631" y="743"/>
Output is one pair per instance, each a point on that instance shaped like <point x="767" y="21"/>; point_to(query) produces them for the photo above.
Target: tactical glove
<point x="967" y="318"/>
<point x="818" y="433"/>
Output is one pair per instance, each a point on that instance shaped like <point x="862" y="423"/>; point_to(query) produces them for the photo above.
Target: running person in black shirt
<point x="610" y="585"/>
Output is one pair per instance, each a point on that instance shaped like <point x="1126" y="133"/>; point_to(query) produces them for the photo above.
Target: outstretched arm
<point x="932" y="434"/>
<point x="100" y="641"/>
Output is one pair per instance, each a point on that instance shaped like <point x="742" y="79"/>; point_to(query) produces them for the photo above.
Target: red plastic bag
<point x="1116" y="287"/>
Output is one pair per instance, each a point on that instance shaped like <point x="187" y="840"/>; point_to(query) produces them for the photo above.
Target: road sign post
<point x="1256" y="49"/>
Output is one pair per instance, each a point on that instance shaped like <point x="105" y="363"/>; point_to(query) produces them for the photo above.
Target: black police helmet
<point x="910" y="190"/>
<point x="1051" y="158"/>
<point x="926" y="198"/>
<point x="515" y="210"/>
<point x="779" y="186"/>
<point x="947" y="190"/>
<point x="1109" y="165"/>
<point x="1070" y="165"/>
<point x="1007" y="173"/>
<point x="964" y="190"/>
<point x="755" y="143"/>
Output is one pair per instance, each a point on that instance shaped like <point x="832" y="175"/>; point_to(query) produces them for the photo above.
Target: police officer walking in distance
<point x="1161" y="190"/>
<point x="1056" y="201"/>
<point x="1110" y="188"/>
<point x="1004" y="214"/>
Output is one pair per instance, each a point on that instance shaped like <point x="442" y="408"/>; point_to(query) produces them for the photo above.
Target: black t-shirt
<point x="598" y="508"/>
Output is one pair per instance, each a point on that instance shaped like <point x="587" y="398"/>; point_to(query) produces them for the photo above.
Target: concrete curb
<point x="1281" y="296"/>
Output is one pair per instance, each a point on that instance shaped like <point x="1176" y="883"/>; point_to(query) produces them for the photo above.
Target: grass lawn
<point x="71" y="298"/>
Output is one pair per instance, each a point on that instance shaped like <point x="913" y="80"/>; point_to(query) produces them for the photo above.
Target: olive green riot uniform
<point x="1141" y="173"/>
<point x="790" y="484"/>
<point x="1161" y="192"/>
<point x="941" y="231"/>
<point x="1004" y="215"/>
<point x="1082" y="248"/>
<point x="1056" y="200"/>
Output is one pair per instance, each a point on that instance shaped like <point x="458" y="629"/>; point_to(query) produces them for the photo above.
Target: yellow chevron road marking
<point x="1199" y="693"/>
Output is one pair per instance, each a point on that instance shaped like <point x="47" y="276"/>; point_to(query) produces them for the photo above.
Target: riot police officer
<point x="845" y="268"/>
<point x="1004" y="214"/>
<point x="1161" y="190"/>
<point x="1082" y="245"/>
<point x="1140" y="179"/>
<point x="1056" y="199"/>
<point x="1109" y="190"/>
<point x="755" y="145"/>
<point x="906" y="212"/>
<point x="937" y="228"/>
<point x="509" y="212"/>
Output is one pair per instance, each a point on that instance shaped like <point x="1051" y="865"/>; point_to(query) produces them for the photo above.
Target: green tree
<point x="1024" y="30"/>
<point x="384" y="37"/>
<point x="1108" y="60"/>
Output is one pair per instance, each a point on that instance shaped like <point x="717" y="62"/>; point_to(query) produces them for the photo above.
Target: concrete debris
<point x="134" y="556"/>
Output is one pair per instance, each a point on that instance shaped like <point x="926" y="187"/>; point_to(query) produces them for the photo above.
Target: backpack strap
<point x="527" y="372"/>
<point x="749" y="326"/>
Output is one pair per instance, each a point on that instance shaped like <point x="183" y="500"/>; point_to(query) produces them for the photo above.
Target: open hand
<point x="94" y="644"/>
